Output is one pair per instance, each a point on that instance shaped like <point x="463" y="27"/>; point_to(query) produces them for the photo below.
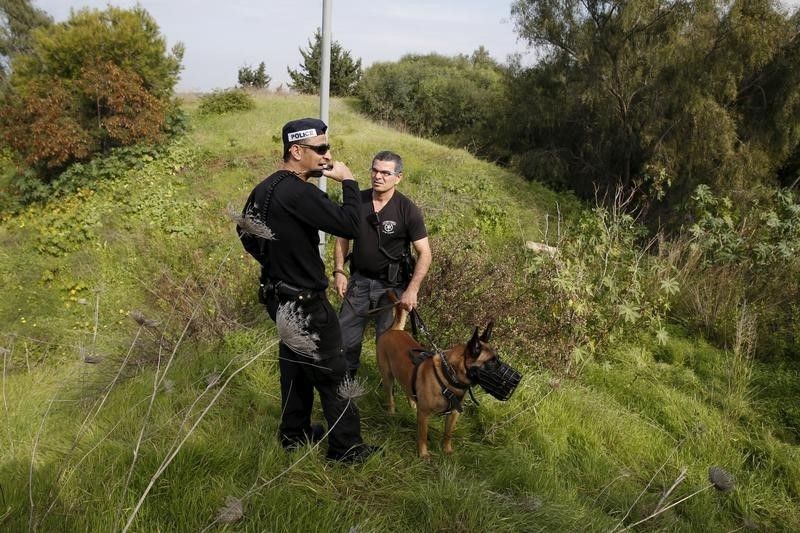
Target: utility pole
<point x="324" y="93"/>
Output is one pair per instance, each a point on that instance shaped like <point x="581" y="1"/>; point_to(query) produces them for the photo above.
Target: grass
<point x="595" y="452"/>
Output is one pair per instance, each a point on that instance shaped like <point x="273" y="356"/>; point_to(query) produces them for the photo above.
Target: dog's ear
<point x="474" y="344"/>
<point x="487" y="333"/>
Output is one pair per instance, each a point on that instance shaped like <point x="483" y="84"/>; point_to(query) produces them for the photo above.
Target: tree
<point x="453" y="98"/>
<point x="257" y="79"/>
<point x="655" y="92"/>
<point x="129" y="38"/>
<point x="345" y="72"/>
<point x="100" y="80"/>
<point x="17" y="19"/>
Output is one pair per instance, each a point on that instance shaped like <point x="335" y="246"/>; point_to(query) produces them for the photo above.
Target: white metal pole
<point x="324" y="90"/>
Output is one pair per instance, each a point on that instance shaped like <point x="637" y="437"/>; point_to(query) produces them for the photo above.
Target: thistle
<point x="88" y="357"/>
<point x="212" y="380"/>
<point x="292" y="329"/>
<point x="350" y="388"/>
<point x="721" y="479"/>
<point x="139" y="318"/>
<point x="232" y="511"/>
<point x="250" y="224"/>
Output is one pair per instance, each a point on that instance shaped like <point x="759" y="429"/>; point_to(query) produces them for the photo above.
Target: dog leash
<point x="418" y="325"/>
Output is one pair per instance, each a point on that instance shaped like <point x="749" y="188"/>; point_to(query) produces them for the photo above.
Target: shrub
<point x="27" y="189"/>
<point x="733" y="257"/>
<point x="229" y="100"/>
<point x="128" y="38"/>
<point x="100" y="80"/>
<point x="436" y="95"/>
<point x="599" y="284"/>
<point x="125" y="112"/>
<point x="43" y="128"/>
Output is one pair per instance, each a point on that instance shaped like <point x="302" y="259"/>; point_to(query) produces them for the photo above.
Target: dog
<point x="436" y="382"/>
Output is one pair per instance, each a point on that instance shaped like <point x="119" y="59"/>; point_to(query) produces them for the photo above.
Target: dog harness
<point x="419" y="356"/>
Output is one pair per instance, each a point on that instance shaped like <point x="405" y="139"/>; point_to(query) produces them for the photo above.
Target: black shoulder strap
<point x="268" y="196"/>
<point x="256" y="244"/>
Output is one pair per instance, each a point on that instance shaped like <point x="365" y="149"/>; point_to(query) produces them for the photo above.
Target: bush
<point x="27" y="189"/>
<point x="436" y="95"/>
<point x="101" y="80"/>
<point x="229" y="100"/>
<point x="597" y="286"/>
<point x="742" y="257"/>
<point x="128" y="38"/>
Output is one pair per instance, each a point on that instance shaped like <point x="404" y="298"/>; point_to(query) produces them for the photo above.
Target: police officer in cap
<point x="293" y="284"/>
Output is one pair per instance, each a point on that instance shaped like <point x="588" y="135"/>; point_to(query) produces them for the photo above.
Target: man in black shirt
<point x="290" y="211"/>
<point x="389" y="224"/>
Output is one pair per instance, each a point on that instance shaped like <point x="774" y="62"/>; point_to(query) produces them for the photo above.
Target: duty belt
<point x="288" y="291"/>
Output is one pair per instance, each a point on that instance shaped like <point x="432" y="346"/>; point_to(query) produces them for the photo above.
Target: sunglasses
<point x="320" y="149"/>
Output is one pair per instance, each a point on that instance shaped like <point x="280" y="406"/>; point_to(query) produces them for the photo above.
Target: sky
<point x="223" y="35"/>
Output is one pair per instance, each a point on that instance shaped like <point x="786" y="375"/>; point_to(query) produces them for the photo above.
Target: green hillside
<point x="140" y="386"/>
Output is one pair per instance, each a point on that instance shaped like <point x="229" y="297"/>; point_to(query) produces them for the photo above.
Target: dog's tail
<point x="400" y="314"/>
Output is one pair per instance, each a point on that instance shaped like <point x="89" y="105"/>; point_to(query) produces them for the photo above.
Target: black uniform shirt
<point x="399" y="223"/>
<point x="297" y="211"/>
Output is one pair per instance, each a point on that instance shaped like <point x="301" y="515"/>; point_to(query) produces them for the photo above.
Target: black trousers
<point x="301" y="374"/>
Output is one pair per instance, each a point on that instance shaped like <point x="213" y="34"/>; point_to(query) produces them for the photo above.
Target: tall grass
<point x="174" y="427"/>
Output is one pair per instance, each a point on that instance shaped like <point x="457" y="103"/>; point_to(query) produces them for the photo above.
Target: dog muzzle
<point x="496" y="377"/>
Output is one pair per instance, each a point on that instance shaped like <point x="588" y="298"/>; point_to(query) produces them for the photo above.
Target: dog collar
<point x="450" y="373"/>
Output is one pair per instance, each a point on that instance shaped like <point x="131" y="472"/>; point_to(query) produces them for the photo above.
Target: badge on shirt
<point x="389" y="226"/>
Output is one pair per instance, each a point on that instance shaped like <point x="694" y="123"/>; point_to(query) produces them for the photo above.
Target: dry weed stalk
<point x="353" y="387"/>
<point x="644" y="490"/>
<point x="96" y="319"/>
<point x="718" y="478"/>
<point x="27" y="358"/>
<point x="141" y="435"/>
<point x="740" y="370"/>
<point x="250" y="224"/>
<point x="177" y="447"/>
<point x="678" y="480"/>
<point x="31" y="519"/>
<point x="293" y="330"/>
<point x="90" y="418"/>
<point x="6" y="354"/>
<point x="158" y="380"/>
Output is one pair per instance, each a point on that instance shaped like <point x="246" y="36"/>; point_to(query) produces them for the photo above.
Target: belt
<point x="290" y="292"/>
<point x="374" y="275"/>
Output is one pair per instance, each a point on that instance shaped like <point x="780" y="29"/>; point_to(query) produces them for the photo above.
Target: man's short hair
<point x="386" y="155"/>
<point x="295" y="131"/>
